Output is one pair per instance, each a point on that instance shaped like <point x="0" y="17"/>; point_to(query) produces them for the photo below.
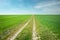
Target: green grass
<point x="8" y="23"/>
<point x="48" y="24"/>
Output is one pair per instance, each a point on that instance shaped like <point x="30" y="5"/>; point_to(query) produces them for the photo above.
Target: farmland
<point x="37" y="27"/>
<point x="48" y="27"/>
<point x="8" y="24"/>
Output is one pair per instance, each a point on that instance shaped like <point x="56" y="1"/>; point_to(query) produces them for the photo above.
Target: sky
<point x="29" y="6"/>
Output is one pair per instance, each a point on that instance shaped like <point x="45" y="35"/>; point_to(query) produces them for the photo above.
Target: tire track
<point x="34" y="35"/>
<point x="15" y="35"/>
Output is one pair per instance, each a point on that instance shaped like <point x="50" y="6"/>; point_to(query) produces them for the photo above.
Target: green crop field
<point x="9" y="24"/>
<point x="49" y="27"/>
<point x="37" y="27"/>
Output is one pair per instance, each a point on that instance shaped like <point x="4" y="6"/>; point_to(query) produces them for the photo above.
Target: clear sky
<point x="29" y="6"/>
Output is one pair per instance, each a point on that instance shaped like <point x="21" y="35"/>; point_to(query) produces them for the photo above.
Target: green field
<point x="47" y="27"/>
<point x="9" y="23"/>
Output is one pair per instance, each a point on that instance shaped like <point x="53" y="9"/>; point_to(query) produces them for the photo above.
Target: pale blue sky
<point x="29" y="6"/>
